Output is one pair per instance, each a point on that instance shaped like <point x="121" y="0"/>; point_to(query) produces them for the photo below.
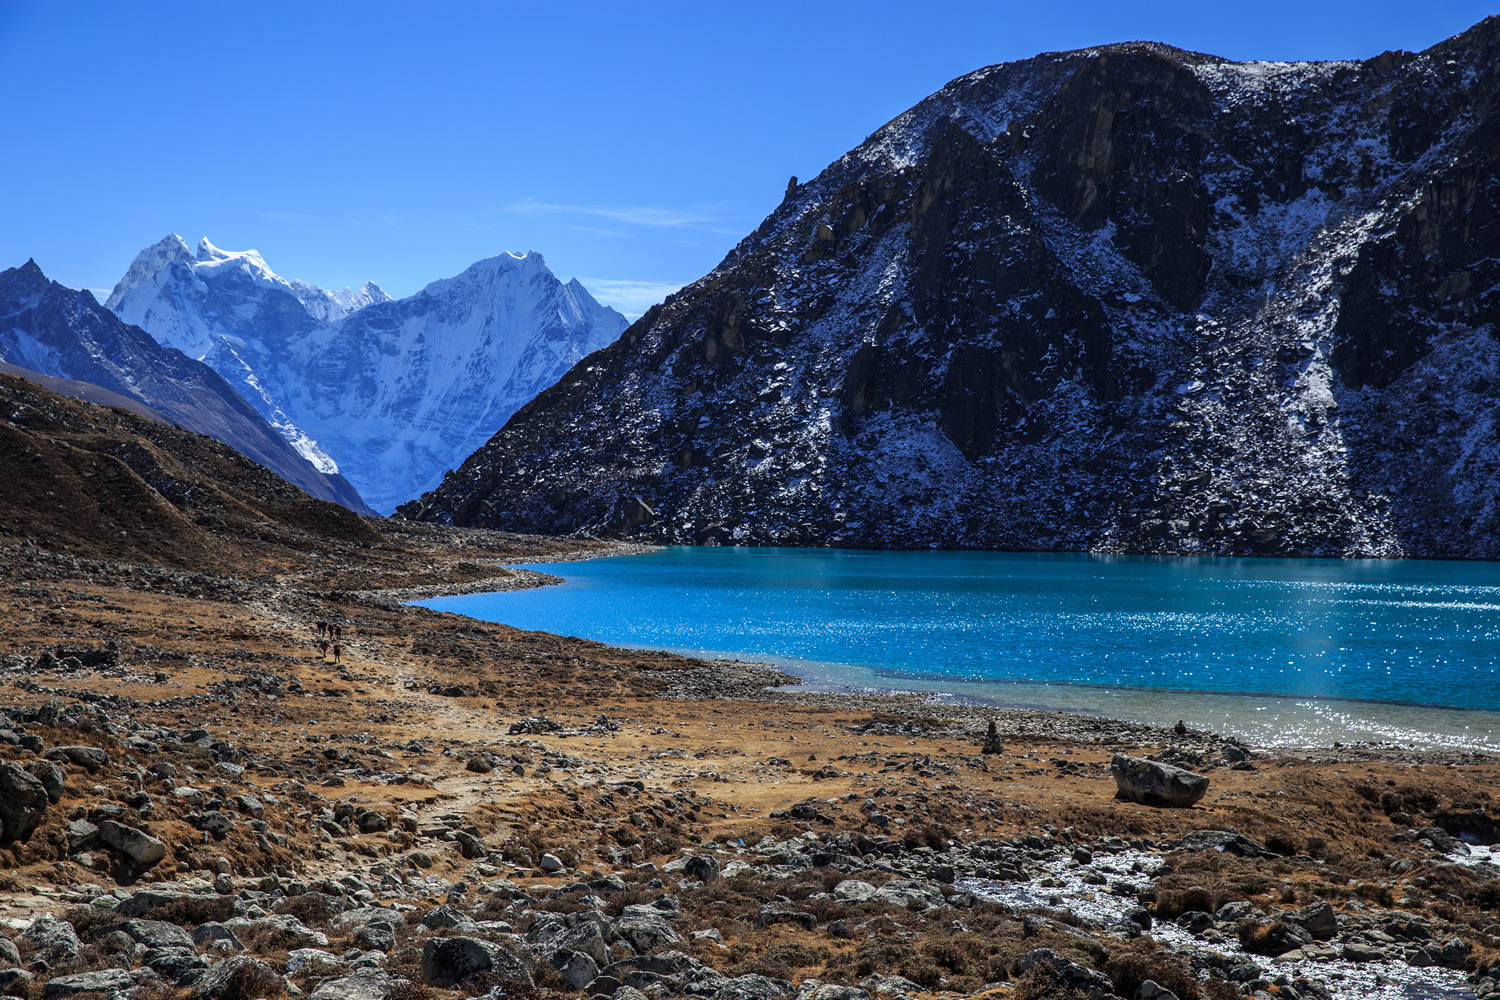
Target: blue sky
<point x="632" y="143"/>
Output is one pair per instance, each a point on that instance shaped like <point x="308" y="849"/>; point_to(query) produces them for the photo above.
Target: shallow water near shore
<point x="1280" y="652"/>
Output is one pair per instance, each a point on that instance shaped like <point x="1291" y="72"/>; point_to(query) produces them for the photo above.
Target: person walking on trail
<point x="323" y="648"/>
<point x="322" y="629"/>
<point x="338" y="653"/>
<point x="338" y="632"/>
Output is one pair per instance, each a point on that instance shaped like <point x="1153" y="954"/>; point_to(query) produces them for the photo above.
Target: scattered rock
<point x="23" y="800"/>
<point x="1156" y="784"/>
<point x="449" y="961"/>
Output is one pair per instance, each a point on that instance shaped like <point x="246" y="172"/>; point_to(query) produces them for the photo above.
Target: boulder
<point x="447" y="916"/>
<point x="50" y="775"/>
<point x="645" y="929"/>
<point x="1222" y="841"/>
<point x="1093" y="983"/>
<point x="1156" y="784"/>
<point x="902" y="892"/>
<point x="314" y="961"/>
<point x="1318" y="919"/>
<point x="364" y="984"/>
<point x="81" y="833"/>
<point x="175" y="965"/>
<point x="106" y="982"/>
<point x="471" y="846"/>
<point x="854" y="891"/>
<point x="755" y="987"/>
<point x="449" y="961"/>
<point x="155" y="933"/>
<point x="214" y="936"/>
<point x="88" y="758"/>
<point x="234" y="978"/>
<point x="15" y="983"/>
<point x="769" y="915"/>
<point x="23" y="800"/>
<point x="576" y="968"/>
<point x="551" y="864"/>
<point x="702" y="867"/>
<point x="377" y="935"/>
<point x="141" y="849"/>
<point x="54" y="938"/>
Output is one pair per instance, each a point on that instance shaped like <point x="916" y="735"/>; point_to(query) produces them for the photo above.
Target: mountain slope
<point x="110" y="484"/>
<point x="1126" y="299"/>
<point x="390" y="393"/>
<point x="66" y="334"/>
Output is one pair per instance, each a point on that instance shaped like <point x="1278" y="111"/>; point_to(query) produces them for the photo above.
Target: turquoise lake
<point x="1291" y="652"/>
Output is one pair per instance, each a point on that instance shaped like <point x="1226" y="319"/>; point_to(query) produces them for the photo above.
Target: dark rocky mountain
<point x="67" y="334"/>
<point x="90" y="481"/>
<point x="1123" y="299"/>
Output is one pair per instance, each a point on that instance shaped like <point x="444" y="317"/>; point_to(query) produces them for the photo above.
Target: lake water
<point x="1289" y="652"/>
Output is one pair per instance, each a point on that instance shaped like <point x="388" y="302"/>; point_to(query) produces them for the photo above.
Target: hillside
<point x="1128" y="298"/>
<point x="64" y="333"/>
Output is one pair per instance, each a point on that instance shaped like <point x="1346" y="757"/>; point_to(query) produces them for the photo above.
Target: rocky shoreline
<point x="196" y="803"/>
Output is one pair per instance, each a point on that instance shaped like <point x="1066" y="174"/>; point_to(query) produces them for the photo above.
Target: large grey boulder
<point x="755" y="987"/>
<point x="50" y="775"/>
<point x="107" y="981"/>
<point x="365" y="984"/>
<point x="702" y="867"/>
<point x="239" y="976"/>
<point x="138" y="847"/>
<point x="854" y="891"/>
<point x="446" y="962"/>
<point x="1096" y="985"/>
<point x="903" y="892"/>
<point x="1318" y="919"/>
<point x="54" y="938"/>
<point x="645" y="929"/>
<point x="1156" y="784"/>
<point x="576" y="968"/>
<point x="88" y="758"/>
<point x="23" y="800"/>
<point x="155" y="933"/>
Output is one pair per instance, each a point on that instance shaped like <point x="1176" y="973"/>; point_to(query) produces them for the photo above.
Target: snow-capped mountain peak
<point x="390" y="393"/>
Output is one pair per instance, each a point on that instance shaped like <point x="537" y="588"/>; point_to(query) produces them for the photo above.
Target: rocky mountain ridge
<point x="1127" y="298"/>
<point x="64" y="333"/>
<point x="391" y="393"/>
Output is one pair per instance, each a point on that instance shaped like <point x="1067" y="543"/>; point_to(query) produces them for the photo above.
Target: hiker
<point x="323" y="648"/>
<point x="322" y="629"/>
<point x="338" y="652"/>
<point x="338" y="632"/>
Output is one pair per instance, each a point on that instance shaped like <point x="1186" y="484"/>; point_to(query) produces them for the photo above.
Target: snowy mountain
<point x="65" y="334"/>
<point x="389" y="393"/>
<point x="1128" y="298"/>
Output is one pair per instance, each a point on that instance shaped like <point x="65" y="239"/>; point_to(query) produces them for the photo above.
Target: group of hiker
<point x="330" y="642"/>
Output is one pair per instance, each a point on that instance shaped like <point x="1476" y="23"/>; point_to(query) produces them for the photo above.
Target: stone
<point x="107" y="981"/>
<point x="157" y="934"/>
<point x="447" y="916"/>
<point x="23" y="800"/>
<point x="854" y="891"/>
<point x="755" y="987"/>
<point x="702" y="867"/>
<point x="175" y="965"/>
<point x="88" y="758"/>
<point x="9" y="952"/>
<point x="449" y="961"/>
<point x="992" y="742"/>
<point x="645" y="929"/>
<point x="1318" y="919"/>
<point x="234" y="978"/>
<point x="50" y="775"/>
<point x="769" y="915"/>
<point x="471" y="846"/>
<point x="376" y="935"/>
<point x="1090" y="981"/>
<point x="1156" y="784"/>
<point x="362" y="984"/>
<point x="15" y="982"/>
<point x="141" y="849"/>
<point x="287" y="931"/>
<point x="901" y="893"/>
<point x="55" y="939"/>
<point x="214" y="936"/>
<point x="81" y="834"/>
<point x="371" y="821"/>
<point x="314" y="961"/>
<point x="551" y="864"/>
<point x="1149" y="990"/>
<point x="576" y="968"/>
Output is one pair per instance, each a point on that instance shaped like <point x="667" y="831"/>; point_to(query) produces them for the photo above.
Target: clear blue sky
<point x="631" y="143"/>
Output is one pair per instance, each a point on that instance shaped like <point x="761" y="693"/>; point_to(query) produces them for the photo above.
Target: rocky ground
<point x="196" y="803"/>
